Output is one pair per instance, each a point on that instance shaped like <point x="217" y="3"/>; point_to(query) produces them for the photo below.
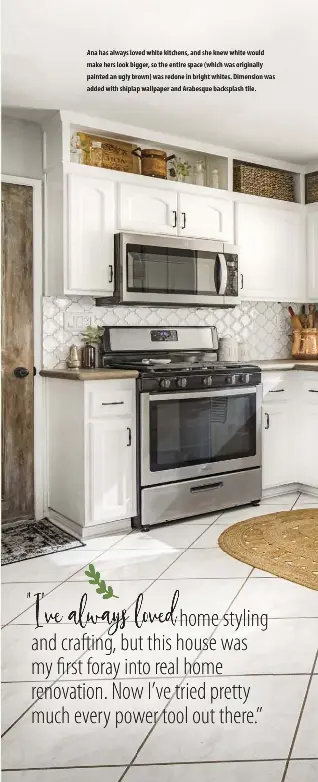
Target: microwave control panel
<point x="232" y="275"/>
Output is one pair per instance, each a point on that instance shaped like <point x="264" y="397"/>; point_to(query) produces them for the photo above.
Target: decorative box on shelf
<point x="262" y="181"/>
<point x="311" y="187"/>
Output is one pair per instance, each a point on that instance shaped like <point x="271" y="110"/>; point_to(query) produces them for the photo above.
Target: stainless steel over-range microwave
<point x="171" y="271"/>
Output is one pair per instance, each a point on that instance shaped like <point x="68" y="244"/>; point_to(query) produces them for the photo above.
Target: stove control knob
<point x="165" y="382"/>
<point x="230" y="380"/>
<point x="207" y="381"/>
<point x="182" y="382"/>
<point x="242" y="378"/>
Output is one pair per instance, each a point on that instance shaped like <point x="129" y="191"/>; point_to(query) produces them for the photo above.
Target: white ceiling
<point x="44" y="67"/>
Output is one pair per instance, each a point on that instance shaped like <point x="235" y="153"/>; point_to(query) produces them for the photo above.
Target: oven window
<point x="185" y="432"/>
<point x="171" y="270"/>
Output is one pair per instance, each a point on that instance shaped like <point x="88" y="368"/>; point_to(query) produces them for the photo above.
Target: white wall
<point x="21" y="148"/>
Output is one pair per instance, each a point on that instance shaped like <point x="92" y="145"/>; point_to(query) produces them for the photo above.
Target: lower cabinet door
<point x="277" y="466"/>
<point x="111" y="466"/>
<point x="308" y="439"/>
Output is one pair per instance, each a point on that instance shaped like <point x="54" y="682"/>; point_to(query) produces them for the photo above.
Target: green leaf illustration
<point x="95" y="579"/>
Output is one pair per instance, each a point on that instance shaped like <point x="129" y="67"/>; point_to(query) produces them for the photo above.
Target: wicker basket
<point x="261" y="181"/>
<point x="311" y="181"/>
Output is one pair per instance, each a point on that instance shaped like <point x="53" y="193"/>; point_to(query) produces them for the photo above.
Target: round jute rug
<point x="284" y="544"/>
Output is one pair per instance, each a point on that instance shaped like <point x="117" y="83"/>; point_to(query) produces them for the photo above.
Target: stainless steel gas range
<point x="199" y="422"/>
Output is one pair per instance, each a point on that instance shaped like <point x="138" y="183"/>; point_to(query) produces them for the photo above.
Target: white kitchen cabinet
<point x="91" y="226"/>
<point x="307" y="425"/>
<point x="271" y="242"/>
<point x="161" y="211"/>
<point x="290" y="429"/>
<point x="206" y="217"/>
<point x="312" y="253"/>
<point x="147" y="209"/>
<point x="111" y="470"/>
<point x="92" y="467"/>
<point x="275" y="445"/>
<point x="79" y="234"/>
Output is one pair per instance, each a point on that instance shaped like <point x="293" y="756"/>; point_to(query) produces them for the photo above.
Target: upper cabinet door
<point x="91" y="227"/>
<point x="312" y="253"/>
<point x="149" y="210"/>
<point x="206" y="217"/>
<point x="271" y="243"/>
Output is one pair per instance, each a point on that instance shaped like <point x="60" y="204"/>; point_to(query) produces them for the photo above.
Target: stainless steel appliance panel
<point x="174" y="501"/>
<point x="200" y="466"/>
<point x="188" y="282"/>
<point x="144" y="339"/>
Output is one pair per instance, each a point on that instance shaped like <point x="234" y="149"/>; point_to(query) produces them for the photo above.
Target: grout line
<point x="82" y="655"/>
<point x="161" y="764"/>
<point x="145" y="765"/>
<point x="132" y="762"/>
<point x="151" y="584"/>
<point x="301" y="713"/>
<point x="69" y="624"/>
<point x="53" y="582"/>
<point x="51" y="682"/>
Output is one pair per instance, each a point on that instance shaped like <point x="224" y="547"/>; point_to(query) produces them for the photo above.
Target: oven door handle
<point x="206" y="487"/>
<point x="224" y="392"/>
<point x="223" y="274"/>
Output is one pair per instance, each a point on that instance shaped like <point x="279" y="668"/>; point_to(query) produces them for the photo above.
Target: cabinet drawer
<point x="108" y="402"/>
<point x="276" y="386"/>
<point x="309" y="389"/>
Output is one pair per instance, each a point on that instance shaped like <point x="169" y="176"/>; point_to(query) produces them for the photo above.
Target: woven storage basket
<point x="260" y="181"/>
<point x="311" y="187"/>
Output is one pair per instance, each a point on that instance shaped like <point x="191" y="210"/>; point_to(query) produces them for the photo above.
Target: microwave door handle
<point x="223" y="274"/>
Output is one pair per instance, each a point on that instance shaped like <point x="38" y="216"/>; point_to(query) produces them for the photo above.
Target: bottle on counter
<point x="88" y="357"/>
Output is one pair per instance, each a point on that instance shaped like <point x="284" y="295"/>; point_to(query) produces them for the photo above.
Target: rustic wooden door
<point x="17" y="353"/>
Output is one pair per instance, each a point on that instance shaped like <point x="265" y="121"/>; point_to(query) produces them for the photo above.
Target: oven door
<point x="193" y="434"/>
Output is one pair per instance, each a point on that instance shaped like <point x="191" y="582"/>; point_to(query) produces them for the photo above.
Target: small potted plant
<point x="91" y="337"/>
<point x="180" y="170"/>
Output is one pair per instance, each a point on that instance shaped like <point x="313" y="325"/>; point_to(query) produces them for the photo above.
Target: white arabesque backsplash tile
<point x="265" y="326"/>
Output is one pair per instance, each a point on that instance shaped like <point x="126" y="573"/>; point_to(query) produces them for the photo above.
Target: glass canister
<point x="305" y="344"/>
<point x="88" y="357"/>
<point x="199" y="173"/>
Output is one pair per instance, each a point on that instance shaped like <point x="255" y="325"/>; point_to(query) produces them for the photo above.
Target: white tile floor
<point x="279" y="664"/>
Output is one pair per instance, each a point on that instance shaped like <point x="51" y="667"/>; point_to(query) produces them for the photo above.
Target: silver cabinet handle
<point x="175" y="218"/>
<point x="277" y="391"/>
<point x="111" y="273"/>
<point x="206" y="487"/>
<point x="224" y="273"/>
<point x="129" y="436"/>
<point x="184" y="219"/>
<point x="105" y="404"/>
<point x="242" y="282"/>
<point x="267" y="420"/>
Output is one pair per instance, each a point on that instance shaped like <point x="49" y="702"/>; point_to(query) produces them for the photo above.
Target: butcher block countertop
<point x="286" y="364"/>
<point x="89" y="374"/>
